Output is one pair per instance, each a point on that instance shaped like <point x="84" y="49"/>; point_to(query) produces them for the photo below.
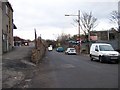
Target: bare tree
<point x="88" y="23"/>
<point x="63" y="38"/>
<point x="114" y="18"/>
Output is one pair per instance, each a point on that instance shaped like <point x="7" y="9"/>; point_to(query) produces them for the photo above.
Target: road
<point x="58" y="70"/>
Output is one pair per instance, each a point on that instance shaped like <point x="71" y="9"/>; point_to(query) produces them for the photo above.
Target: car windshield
<point x="106" y="48"/>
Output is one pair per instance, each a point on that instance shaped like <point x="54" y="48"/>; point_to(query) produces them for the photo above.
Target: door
<point x="96" y="53"/>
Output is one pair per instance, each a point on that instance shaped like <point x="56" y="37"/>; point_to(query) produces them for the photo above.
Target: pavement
<point x="16" y="66"/>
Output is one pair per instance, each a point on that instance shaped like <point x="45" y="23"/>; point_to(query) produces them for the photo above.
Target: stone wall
<point x="39" y="52"/>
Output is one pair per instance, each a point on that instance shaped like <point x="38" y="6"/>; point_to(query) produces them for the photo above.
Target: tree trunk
<point x="88" y="42"/>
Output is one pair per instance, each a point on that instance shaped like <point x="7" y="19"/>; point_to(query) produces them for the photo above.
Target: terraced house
<point x="7" y="26"/>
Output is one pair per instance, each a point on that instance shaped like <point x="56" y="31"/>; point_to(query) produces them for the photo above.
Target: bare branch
<point x="114" y="17"/>
<point x="88" y="22"/>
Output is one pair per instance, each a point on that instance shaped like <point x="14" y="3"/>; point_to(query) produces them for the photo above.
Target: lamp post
<point x="78" y="28"/>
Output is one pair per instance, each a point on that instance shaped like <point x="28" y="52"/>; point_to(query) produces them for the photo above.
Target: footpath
<point x="16" y="66"/>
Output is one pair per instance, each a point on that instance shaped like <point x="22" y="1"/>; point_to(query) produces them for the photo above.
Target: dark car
<point x="60" y="49"/>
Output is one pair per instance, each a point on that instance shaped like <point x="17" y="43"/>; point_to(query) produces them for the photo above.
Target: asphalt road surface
<point x="58" y="70"/>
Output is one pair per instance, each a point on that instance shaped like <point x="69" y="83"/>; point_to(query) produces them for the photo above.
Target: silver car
<point x="70" y="51"/>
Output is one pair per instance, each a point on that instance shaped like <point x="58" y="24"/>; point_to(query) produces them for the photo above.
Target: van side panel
<point x="92" y="48"/>
<point x="94" y="53"/>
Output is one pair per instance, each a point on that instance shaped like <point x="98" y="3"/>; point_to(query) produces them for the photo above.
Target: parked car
<point x="70" y="51"/>
<point x="60" y="49"/>
<point x="50" y="48"/>
<point x="103" y="52"/>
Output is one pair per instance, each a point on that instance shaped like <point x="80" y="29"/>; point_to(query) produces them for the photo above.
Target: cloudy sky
<point x="48" y="16"/>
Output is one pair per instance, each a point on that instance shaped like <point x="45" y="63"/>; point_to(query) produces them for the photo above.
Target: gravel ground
<point x="16" y="66"/>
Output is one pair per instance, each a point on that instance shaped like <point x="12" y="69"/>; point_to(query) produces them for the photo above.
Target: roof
<point x="16" y="38"/>
<point x="110" y="30"/>
<point x="101" y="44"/>
<point x="9" y="6"/>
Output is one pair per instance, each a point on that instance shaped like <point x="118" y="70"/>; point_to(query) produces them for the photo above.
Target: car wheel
<point x="91" y="58"/>
<point x="66" y="53"/>
<point x="100" y="59"/>
<point x="117" y="62"/>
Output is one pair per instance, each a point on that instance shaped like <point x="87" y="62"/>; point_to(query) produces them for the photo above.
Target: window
<point x="96" y="48"/>
<point x="106" y="48"/>
<point x="7" y="29"/>
<point x="72" y="49"/>
<point x="112" y="36"/>
<point x="3" y="37"/>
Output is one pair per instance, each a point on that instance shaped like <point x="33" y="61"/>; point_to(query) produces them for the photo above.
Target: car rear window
<point x="72" y="49"/>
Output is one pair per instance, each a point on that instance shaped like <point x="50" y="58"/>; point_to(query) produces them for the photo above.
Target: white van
<point x="103" y="52"/>
<point x="50" y="48"/>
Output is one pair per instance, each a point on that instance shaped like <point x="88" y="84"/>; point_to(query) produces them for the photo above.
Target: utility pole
<point x="78" y="29"/>
<point x="35" y="39"/>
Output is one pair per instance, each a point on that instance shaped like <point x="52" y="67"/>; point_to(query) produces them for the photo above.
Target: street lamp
<point x="78" y="27"/>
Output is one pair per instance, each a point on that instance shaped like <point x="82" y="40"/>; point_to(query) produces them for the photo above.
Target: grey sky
<point x="48" y="16"/>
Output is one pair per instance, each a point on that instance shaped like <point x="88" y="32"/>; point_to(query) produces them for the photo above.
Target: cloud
<point x="48" y="16"/>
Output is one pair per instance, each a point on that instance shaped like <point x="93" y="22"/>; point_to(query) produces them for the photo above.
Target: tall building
<point x="6" y="16"/>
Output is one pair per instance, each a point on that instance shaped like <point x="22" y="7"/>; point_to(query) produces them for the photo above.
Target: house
<point x="20" y="42"/>
<point x="107" y="36"/>
<point x="7" y="26"/>
<point x="17" y="41"/>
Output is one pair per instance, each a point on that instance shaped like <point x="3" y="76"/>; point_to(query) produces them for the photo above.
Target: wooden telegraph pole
<point x="35" y="39"/>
